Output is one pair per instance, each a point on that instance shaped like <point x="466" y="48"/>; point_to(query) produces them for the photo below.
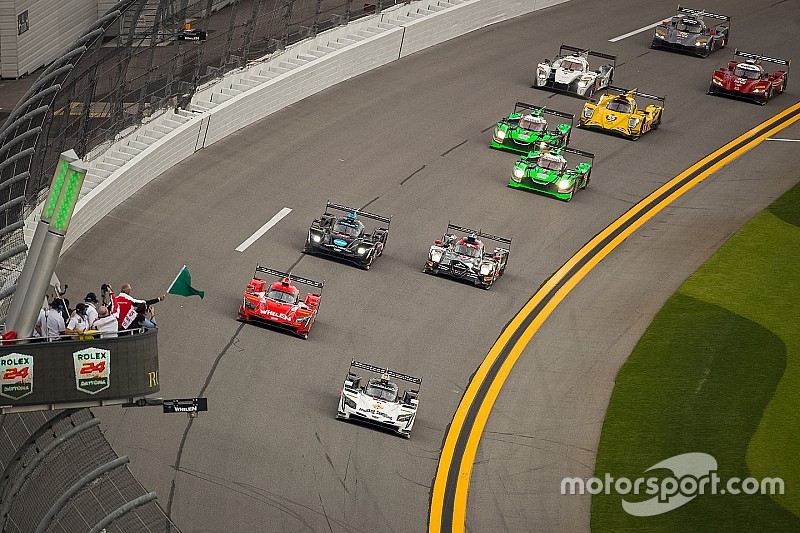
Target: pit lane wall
<point x="246" y="96"/>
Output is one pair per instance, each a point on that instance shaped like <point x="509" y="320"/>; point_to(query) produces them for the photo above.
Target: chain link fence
<point x="60" y="474"/>
<point x="134" y="61"/>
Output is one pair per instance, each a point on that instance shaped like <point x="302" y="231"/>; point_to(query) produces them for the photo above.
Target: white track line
<point x="784" y="140"/>
<point x="634" y="32"/>
<point x="263" y="229"/>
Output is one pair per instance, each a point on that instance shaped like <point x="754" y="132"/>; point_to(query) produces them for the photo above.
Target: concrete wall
<point x="404" y="30"/>
<point x="53" y="26"/>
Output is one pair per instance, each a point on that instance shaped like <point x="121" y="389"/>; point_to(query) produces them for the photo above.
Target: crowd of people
<point x="109" y="316"/>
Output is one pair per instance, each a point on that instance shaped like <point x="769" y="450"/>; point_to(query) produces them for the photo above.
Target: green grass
<point x="718" y="371"/>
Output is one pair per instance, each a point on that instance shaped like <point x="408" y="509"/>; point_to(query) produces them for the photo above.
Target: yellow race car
<point x="617" y="112"/>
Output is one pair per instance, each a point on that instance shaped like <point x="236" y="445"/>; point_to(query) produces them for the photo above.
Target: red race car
<point x="747" y="79"/>
<point x="279" y="303"/>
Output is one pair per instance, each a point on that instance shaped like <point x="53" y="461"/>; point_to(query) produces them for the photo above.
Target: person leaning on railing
<point x="105" y="323"/>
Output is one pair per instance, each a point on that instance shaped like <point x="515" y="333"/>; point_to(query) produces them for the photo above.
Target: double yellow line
<point x="449" y="495"/>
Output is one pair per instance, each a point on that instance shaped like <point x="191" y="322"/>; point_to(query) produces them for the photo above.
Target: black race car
<point x="346" y="236"/>
<point x="688" y="32"/>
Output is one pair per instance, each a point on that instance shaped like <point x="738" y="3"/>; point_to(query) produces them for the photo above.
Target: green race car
<point x="526" y="129"/>
<point x="546" y="171"/>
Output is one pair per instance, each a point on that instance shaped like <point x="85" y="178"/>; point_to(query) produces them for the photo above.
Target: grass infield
<point x="717" y="371"/>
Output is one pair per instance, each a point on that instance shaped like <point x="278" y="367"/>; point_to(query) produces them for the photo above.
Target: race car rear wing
<point x="359" y="212"/>
<point x="522" y="105"/>
<point x="687" y="11"/>
<point x="620" y="90"/>
<point x="581" y="153"/>
<point x="479" y="233"/>
<point x="747" y="55"/>
<point x="279" y="274"/>
<point x="390" y="373"/>
<point x="587" y="52"/>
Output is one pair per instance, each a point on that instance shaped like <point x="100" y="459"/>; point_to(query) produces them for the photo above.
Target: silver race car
<point x="570" y="72"/>
<point x="687" y="31"/>
<point x="376" y="398"/>
<point x="467" y="258"/>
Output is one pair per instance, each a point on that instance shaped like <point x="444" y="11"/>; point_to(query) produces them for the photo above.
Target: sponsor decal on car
<point x="17" y="375"/>
<point x="340" y="242"/>
<point x="275" y="314"/>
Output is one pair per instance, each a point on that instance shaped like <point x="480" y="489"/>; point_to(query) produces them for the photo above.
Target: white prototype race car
<point x="376" y="399"/>
<point x="570" y="73"/>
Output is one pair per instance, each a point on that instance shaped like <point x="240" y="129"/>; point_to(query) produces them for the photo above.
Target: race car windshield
<point x="383" y="392"/>
<point x="571" y="65"/>
<point x="469" y="251"/>
<point x="619" y="105"/>
<point x="690" y="26"/>
<point x="532" y="124"/>
<point x="283" y="297"/>
<point x="346" y="229"/>
<point x="550" y="163"/>
<point x="748" y="73"/>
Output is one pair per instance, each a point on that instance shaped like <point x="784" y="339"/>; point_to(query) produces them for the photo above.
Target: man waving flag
<point x="182" y="286"/>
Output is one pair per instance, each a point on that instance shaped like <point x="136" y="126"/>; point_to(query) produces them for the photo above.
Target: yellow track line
<point x="468" y="458"/>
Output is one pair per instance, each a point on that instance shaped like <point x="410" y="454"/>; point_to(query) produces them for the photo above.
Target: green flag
<point x="182" y="286"/>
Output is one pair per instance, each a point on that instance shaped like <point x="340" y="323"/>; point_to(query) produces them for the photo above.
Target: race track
<point x="411" y="140"/>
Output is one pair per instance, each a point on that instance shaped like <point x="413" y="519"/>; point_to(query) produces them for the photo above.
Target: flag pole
<point x="176" y="278"/>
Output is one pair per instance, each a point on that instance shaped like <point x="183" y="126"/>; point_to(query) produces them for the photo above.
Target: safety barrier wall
<point x="464" y="18"/>
<point x="411" y="33"/>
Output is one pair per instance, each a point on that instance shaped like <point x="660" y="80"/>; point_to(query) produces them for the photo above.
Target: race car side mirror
<point x="497" y="258"/>
<point x="414" y="402"/>
<point x="711" y="32"/>
<point x="438" y="241"/>
<point x="348" y="384"/>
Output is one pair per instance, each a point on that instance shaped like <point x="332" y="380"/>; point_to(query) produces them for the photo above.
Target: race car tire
<point x="586" y="180"/>
<point x="571" y="194"/>
<point x="784" y="84"/>
<point x="656" y="122"/>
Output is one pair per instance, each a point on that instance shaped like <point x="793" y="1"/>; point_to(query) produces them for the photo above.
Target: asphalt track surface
<point x="411" y="141"/>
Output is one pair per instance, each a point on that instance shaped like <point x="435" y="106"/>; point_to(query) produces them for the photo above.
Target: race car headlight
<point x="564" y="185"/>
<point x="249" y="305"/>
<point x="519" y="172"/>
<point x="499" y="134"/>
<point x="316" y="238"/>
<point x="542" y="72"/>
<point x="701" y="43"/>
<point x="436" y="255"/>
<point x="349" y="402"/>
<point x="361" y="250"/>
<point x="405" y="417"/>
<point x="588" y="112"/>
<point x="486" y="268"/>
<point x="542" y="145"/>
<point x="585" y="80"/>
<point x="302" y="319"/>
<point x="632" y="122"/>
<point x="716" y="81"/>
<point x="660" y="34"/>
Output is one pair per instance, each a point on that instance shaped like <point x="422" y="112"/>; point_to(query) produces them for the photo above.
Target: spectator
<point x="78" y="321"/>
<point x="106" y="323"/>
<point x="143" y="318"/>
<point x="125" y="305"/>
<point x="105" y="293"/>
<point x="37" y="328"/>
<point x="91" y="302"/>
<point x="52" y="322"/>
